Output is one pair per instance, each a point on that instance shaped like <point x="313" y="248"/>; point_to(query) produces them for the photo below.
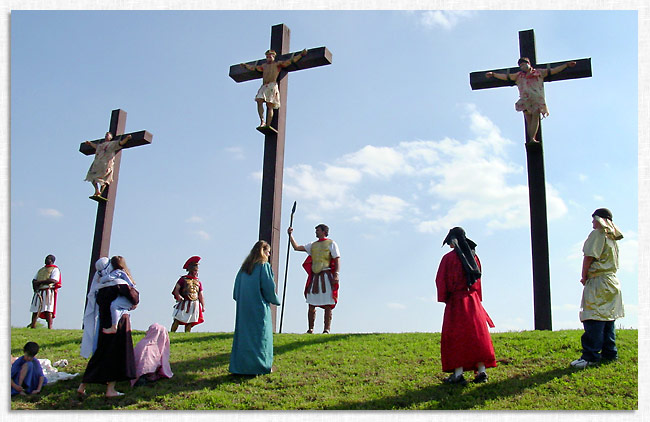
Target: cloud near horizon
<point x="445" y="19"/>
<point x="431" y="184"/>
<point x="50" y="212"/>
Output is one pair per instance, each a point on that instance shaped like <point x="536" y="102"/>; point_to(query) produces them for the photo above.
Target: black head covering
<point x="603" y="213"/>
<point x="464" y="248"/>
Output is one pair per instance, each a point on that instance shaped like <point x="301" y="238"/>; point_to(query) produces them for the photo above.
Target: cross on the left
<point x="106" y="208"/>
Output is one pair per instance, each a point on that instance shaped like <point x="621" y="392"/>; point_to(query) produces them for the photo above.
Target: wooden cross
<point x="536" y="180"/>
<point x="271" y="204"/>
<point x="105" y="209"/>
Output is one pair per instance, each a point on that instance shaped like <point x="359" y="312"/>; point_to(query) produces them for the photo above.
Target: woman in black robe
<point x="113" y="360"/>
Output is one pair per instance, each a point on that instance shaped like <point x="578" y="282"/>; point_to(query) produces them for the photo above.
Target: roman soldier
<point x="45" y="283"/>
<point x="188" y="293"/>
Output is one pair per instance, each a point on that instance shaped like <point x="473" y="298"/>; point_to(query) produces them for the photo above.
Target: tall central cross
<point x="105" y="209"/>
<point x="271" y="207"/>
<point x="536" y="180"/>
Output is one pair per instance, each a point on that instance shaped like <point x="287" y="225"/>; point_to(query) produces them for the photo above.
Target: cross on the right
<point x="536" y="180"/>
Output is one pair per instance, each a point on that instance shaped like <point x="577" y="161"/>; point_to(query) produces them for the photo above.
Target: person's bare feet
<point x="114" y="394"/>
<point x="111" y="330"/>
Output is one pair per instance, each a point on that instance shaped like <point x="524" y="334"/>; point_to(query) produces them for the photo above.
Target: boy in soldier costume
<point x="188" y="293"/>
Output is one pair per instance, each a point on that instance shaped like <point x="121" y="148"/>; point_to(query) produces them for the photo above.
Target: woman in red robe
<point x="466" y="343"/>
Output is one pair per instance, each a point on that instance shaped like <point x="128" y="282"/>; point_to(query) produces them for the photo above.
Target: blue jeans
<point x="599" y="336"/>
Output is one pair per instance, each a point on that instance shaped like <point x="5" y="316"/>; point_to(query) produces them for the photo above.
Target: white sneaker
<point x="581" y="363"/>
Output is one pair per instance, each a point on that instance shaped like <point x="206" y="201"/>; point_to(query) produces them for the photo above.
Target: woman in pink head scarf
<point x="152" y="356"/>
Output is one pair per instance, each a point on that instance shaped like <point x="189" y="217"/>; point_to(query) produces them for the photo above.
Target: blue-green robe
<point x="252" y="345"/>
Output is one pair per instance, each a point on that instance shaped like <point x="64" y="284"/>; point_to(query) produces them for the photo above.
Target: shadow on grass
<point x="45" y="347"/>
<point x="453" y="397"/>
<point x="306" y="340"/>
<point x="64" y="396"/>
<point x="187" y="366"/>
<point x="176" y="338"/>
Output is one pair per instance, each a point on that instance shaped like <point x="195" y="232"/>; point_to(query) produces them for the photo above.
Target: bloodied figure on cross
<point x="269" y="93"/>
<point x="532" y="101"/>
<point x="530" y="77"/>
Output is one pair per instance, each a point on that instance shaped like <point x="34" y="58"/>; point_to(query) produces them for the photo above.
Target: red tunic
<point x="465" y="337"/>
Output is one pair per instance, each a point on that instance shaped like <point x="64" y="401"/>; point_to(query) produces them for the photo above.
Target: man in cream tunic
<point x="322" y="266"/>
<point x="602" y="302"/>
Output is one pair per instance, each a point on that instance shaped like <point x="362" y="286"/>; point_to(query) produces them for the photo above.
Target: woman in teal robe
<point x="252" y="345"/>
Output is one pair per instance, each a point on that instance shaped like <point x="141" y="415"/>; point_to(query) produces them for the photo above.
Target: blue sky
<point x="389" y="146"/>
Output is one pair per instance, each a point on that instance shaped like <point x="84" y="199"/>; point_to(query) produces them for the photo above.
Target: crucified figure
<point x="269" y="93"/>
<point x="100" y="173"/>
<point x="530" y="82"/>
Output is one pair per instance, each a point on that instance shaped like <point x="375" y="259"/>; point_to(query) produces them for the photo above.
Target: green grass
<point x="352" y="371"/>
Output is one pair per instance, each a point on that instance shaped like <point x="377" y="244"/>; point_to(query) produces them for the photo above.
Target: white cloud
<point x="50" y="212"/>
<point x="343" y="174"/>
<point x="257" y="175"/>
<point x="201" y="234"/>
<point x="381" y="162"/>
<point x="447" y="181"/>
<point x="599" y="198"/>
<point x="383" y="207"/>
<point x="236" y="152"/>
<point x="396" y="305"/>
<point x="324" y="187"/>
<point x="582" y="177"/>
<point x="446" y="19"/>
<point x="194" y="219"/>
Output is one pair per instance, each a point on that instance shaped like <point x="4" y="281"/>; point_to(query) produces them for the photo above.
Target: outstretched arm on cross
<point x="502" y="76"/>
<point x="125" y="139"/>
<point x="558" y="69"/>
<point x="293" y="59"/>
<point x="252" y="68"/>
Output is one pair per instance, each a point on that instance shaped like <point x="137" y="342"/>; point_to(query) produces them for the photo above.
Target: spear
<point x="284" y="289"/>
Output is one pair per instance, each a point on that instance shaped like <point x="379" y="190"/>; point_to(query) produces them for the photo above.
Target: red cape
<point x="310" y="275"/>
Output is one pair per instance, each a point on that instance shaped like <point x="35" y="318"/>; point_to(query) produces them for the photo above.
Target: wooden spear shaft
<point x="286" y="269"/>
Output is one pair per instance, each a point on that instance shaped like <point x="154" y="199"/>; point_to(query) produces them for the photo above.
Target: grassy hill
<point x="352" y="371"/>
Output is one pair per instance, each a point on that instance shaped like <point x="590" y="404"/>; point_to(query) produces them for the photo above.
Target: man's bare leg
<point x="311" y="318"/>
<point x="97" y="191"/>
<point x="48" y="318"/>
<point x="269" y="113"/>
<point x="260" y="111"/>
<point x="174" y="326"/>
<point x="532" y="125"/>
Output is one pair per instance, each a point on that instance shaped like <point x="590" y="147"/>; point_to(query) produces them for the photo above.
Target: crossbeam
<point x="315" y="57"/>
<point x="582" y="69"/>
<point x="137" y="139"/>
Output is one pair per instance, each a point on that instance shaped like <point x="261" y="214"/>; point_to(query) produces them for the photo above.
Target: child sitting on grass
<point x="26" y="372"/>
